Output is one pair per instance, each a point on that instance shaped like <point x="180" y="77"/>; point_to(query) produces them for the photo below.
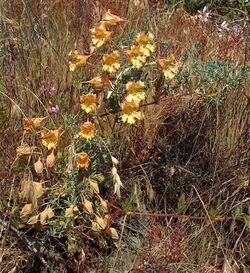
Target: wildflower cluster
<point x="130" y="94"/>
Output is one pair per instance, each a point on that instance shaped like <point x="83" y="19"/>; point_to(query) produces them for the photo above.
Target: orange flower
<point x="144" y="39"/>
<point x="99" y="34"/>
<point x="110" y="62"/>
<point x="134" y="87"/>
<point x="30" y="123"/>
<point x="169" y="68"/>
<point x="134" y="94"/>
<point x="130" y="113"/>
<point x="27" y="123"/>
<point x="88" y="102"/>
<point x="87" y="130"/>
<point x="135" y="56"/>
<point x="110" y="19"/>
<point x="99" y="81"/>
<point x="76" y="60"/>
<point x="82" y="160"/>
<point x="50" y="139"/>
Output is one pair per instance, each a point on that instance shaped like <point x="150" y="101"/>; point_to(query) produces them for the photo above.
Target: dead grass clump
<point x="14" y="259"/>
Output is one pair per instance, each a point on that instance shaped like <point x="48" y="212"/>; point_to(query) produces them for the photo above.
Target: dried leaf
<point x="26" y="189"/>
<point x="117" y="181"/>
<point x="104" y="204"/>
<point x="101" y="222"/>
<point x="172" y="171"/>
<point x="88" y="206"/>
<point x="33" y="219"/>
<point x="50" y="160"/>
<point x="38" y="122"/>
<point x="114" y="160"/>
<point x="69" y="212"/>
<point x="38" y="166"/>
<point x="95" y="226"/>
<point x="30" y="123"/>
<point x="46" y="214"/>
<point x="24" y="150"/>
<point x="37" y="189"/>
<point x="113" y="233"/>
<point x="26" y="210"/>
<point x="94" y="186"/>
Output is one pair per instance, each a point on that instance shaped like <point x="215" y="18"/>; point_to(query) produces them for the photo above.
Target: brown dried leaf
<point x="30" y="123"/>
<point x="38" y="166"/>
<point x="88" y="206"/>
<point x="33" y="220"/>
<point x="94" y="186"/>
<point x="104" y="204"/>
<point x="113" y="233"/>
<point x="37" y="189"/>
<point x="24" y="150"/>
<point x="46" y="214"/>
<point x="101" y="222"/>
<point x="69" y="212"/>
<point x="172" y="171"/>
<point x="26" y="210"/>
<point x="50" y="160"/>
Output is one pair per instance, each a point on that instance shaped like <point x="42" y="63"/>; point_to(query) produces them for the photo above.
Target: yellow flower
<point x="88" y="102"/>
<point x="87" y="130"/>
<point x="144" y="41"/>
<point x="99" y="34"/>
<point x="136" y="56"/>
<point x="82" y="160"/>
<point x="134" y="87"/>
<point x="50" y="139"/>
<point x="169" y="68"/>
<point x="130" y="113"/>
<point x="73" y="53"/>
<point x="110" y="62"/>
<point x="148" y="49"/>
<point x="134" y="94"/>
<point x="110" y="19"/>
<point x="76" y="60"/>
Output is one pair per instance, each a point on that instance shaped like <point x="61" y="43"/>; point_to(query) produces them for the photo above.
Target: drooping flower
<point x="136" y="56"/>
<point x="88" y="102"/>
<point x="50" y="139"/>
<point x="76" y="60"/>
<point x="99" y="81"/>
<point x="133" y="90"/>
<point x="87" y="130"/>
<point x="99" y="34"/>
<point x="169" y="67"/>
<point x="110" y="62"/>
<point x="82" y="160"/>
<point x="31" y="123"/>
<point x="130" y="112"/>
<point x="110" y="19"/>
<point x="145" y="41"/>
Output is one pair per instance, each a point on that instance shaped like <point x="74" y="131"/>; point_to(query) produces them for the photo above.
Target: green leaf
<point x="181" y="203"/>
<point x="213" y="212"/>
